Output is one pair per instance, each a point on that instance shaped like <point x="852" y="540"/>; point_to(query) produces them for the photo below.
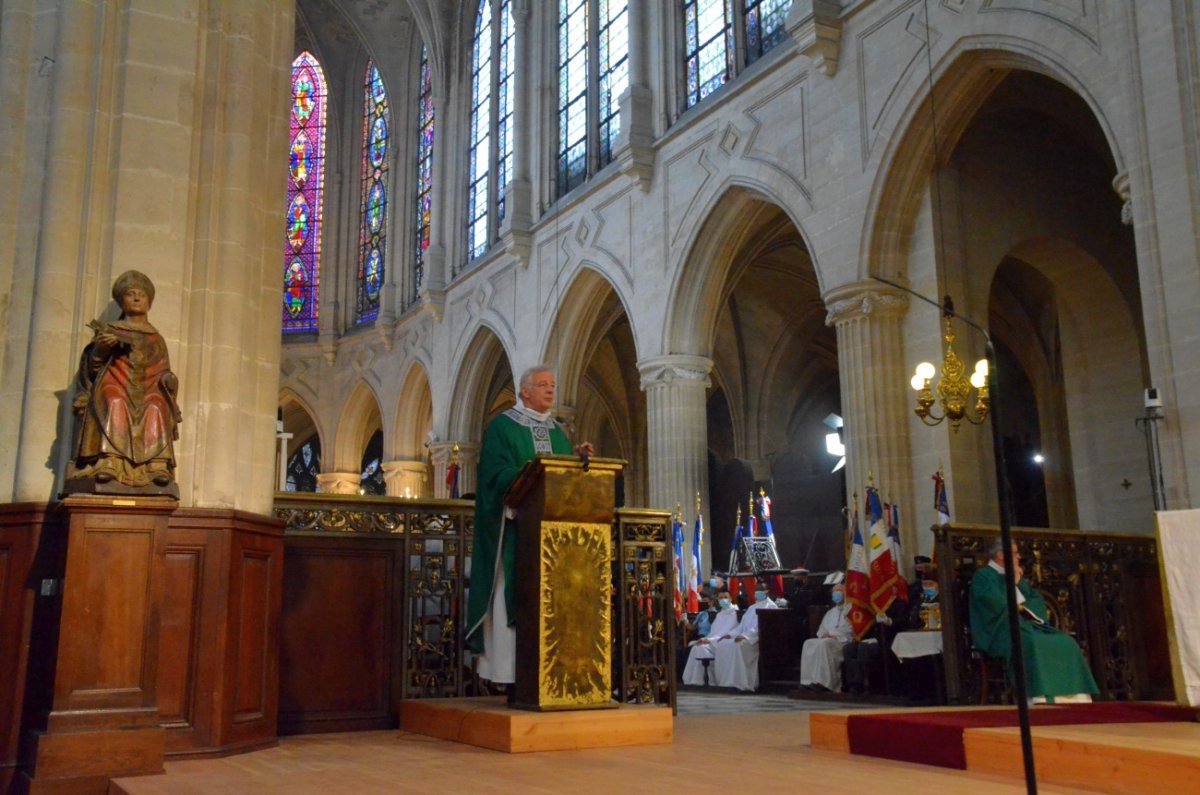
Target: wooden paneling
<point x="340" y="647"/>
<point x="29" y="553"/>
<point x="104" y="715"/>
<point x="219" y="671"/>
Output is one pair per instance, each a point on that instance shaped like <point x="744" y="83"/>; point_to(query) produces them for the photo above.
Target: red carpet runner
<point x="936" y="738"/>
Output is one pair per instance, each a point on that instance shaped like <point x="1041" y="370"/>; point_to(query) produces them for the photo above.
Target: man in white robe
<point x="821" y="657"/>
<point x="737" y="656"/>
<point x="723" y="626"/>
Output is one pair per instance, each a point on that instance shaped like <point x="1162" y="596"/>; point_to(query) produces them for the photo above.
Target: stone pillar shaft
<point x="676" y="389"/>
<point x="875" y="396"/>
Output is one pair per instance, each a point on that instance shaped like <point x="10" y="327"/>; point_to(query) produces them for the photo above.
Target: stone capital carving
<point x="863" y="303"/>
<point x="676" y="369"/>
<point x="440" y="452"/>
<point x="1120" y="185"/>
<point x="339" y="482"/>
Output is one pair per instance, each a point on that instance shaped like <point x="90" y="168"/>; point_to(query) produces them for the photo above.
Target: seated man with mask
<point x="737" y="654"/>
<point x="1055" y="670"/>
<point x="821" y="657"/>
<point x="723" y="625"/>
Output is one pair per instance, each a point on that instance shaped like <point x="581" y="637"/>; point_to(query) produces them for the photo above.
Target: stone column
<point x="518" y="194"/>
<point x="676" y="388"/>
<point x="406" y="478"/>
<point x="110" y="176"/>
<point x="634" y="147"/>
<point x="468" y="462"/>
<point x="339" y="482"/>
<point x="876" y="397"/>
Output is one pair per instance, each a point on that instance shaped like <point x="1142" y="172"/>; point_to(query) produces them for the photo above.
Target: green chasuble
<point x="1054" y="665"/>
<point x="512" y="440"/>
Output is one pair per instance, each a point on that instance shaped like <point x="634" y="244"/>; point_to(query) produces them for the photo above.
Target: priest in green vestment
<point x="1055" y="670"/>
<point x="511" y="440"/>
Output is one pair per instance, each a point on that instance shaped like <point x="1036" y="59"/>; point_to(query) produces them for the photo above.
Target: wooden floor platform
<point x="1125" y="758"/>
<point x="1129" y="758"/>
<point x="391" y="762"/>
<point x="490" y="723"/>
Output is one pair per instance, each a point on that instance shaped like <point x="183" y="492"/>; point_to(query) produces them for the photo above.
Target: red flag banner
<point x="883" y="570"/>
<point x="858" y="586"/>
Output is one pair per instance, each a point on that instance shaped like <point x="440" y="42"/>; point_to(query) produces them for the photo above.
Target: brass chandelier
<point x="954" y="389"/>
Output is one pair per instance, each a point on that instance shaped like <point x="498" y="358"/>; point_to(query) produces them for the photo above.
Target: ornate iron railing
<point x="643" y="612"/>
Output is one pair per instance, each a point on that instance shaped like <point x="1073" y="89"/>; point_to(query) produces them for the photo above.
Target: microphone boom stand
<point x="1010" y="579"/>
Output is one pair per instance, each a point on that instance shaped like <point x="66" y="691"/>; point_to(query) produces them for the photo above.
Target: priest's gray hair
<point x="995" y="547"/>
<point x="527" y="376"/>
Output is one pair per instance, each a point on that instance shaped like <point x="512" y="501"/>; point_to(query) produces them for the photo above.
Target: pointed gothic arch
<point x="414" y="415"/>
<point x="484" y="381"/>
<point x="360" y="419"/>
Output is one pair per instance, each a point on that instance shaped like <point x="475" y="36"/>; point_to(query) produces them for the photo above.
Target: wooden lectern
<point x="564" y="582"/>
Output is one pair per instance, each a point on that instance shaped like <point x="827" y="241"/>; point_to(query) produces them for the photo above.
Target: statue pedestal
<point x="97" y="715"/>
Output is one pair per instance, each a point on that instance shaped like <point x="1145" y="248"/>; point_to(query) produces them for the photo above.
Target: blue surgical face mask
<point x="930" y="594"/>
<point x="760" y="596"/>
<point x="724" y="603"/>
<point x="713" y="582"/>
<point x="838" y="596"/>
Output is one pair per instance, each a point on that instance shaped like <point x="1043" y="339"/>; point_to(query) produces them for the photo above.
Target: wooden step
<point x="491" y="723"/>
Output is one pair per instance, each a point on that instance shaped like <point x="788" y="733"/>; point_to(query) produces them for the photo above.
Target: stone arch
<point x="592" y="344"/>
<point x="300" y="420"/>
<point x="703" y="271"/>
<point x="963" y="80"/>
<point x="476" y="380"/>
<point x="414" y="415"/>
<point x="568" y="337"/>
<point x="360" y="419"/>
<point x="1103" y="370"/>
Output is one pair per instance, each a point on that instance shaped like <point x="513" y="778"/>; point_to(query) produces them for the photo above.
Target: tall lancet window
<point x="764" y="26"/>
<point x="490" y="157"/>
<point x="708" y="46"/>
<point x="424" y="170"/>
<point x="306" y="179"/>
<point x="593" y="59"/>
<point x="373" y="201"/>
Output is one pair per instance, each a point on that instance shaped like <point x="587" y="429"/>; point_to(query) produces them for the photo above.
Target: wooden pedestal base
<point x="98" y="716"/>
<point x="83" y="761"/>
<point x="490" y="723"/>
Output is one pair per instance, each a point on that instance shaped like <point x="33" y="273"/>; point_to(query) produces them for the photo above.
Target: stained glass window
<point x="506" y="84"/>
<point x="613" y="66"/>
<point x="572" y="93"/>
<point x="306" y="178"/>
<point x="481" y="132"/>
<point x="304" y="466"/>
<point x="372" y="234"/>
<point x="593" y="60"/>
<point x="764" y="26"/>
<point x="490" y="157"/>
<point x="424" y="170"/>
<point x="708" y="46"/>
<point x="371" y="480"/>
